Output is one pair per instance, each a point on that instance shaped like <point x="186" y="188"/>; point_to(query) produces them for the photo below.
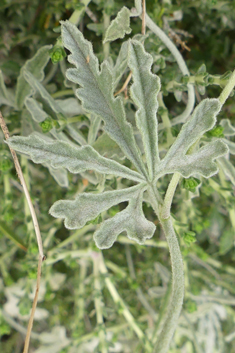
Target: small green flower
<point x="189" y="237"/>
<point x="46" y="125"/>
<point x="57" y="53"/>
<point x="191" y="184"/>
<point x="217" y="131"/>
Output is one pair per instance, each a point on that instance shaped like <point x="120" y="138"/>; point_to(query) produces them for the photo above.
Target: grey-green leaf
<point x="88" y="206"/>
<point x="38" y="87"/>
<point x="131" y="220"/>
<point x="96" y="92"/>
<point x="35" y="66"/>
<point x="229" y="129"/>
<point x="5" y="96"/>
<point x="202" y="161"/>
<point x="121" y="64"/>
<point x="59" y="174"/>
<point x="228" y="168"/>
<point x="63" y="154"/>
<point x="119" y="27"/>
<point x="35" y="109"/>
<point x="144" y="93"/>
<point x="230" y="144"/>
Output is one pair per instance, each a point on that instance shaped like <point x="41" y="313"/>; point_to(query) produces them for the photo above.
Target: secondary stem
<point x="227" y="89"/>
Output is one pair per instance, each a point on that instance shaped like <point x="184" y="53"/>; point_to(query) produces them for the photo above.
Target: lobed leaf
<point x="177" y="159"/>
<point x="96" y="92"/>
<point x="131" y="220"/>
<point x="63" y="154"/>
<point x="121" y="64"/>
<point x="229" y="129"/>
<point x="88" y="206"/>
<point x="230" y="144"/>
<point x="144" y="93"/>
<point x="35" y="66"/>
<point x="119" y="27"/>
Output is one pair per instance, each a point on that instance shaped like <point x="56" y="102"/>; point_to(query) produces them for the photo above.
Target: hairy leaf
<point x="35" y="109"/>
<point x="131" y="220"/>
<point x="228" y="168"/>
<point x="119" y="26"/>
<point x="121" y="64"/>
<point x="59" y="174"/>
<point x="5" y="97"/>
<point x="35" y="66"/>
<point x="229" y="129"/>
<point x="144" y="93"/>
<point x="38" y="87"/>
<point x="96" y="92"/>
<point x="230" y="144"/>
<point x="88" y="206"/>
<point x="64" y="154"/>
<point x="177" y="159"/>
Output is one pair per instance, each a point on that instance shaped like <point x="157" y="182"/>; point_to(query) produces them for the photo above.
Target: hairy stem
<point x="166" y="208"/>
<point x="227" y="89"/>
<point x="176" y="300"/>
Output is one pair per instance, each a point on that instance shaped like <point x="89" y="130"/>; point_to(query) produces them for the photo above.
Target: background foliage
<point x="204" y="217"/>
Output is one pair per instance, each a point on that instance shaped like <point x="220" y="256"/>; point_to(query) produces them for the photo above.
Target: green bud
<point x="189" y="237"/>
<point x="46" y="125"/>
<point x="191" y="184"/>
<point x="217" y="131"/>
<point x="57" y="53"/>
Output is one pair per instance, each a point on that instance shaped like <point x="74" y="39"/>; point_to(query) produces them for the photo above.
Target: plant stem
<point x="176" y="300"/>
<point x="166" y="208"/>
<point x="76" y="16"/>
<point x="96" y="257"/>
<point x="125" y="312"/>
<point x="106" y="46"/>
<point x="227" y="89"/>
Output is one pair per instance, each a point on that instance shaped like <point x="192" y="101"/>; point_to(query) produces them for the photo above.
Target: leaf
<point x="119" y="26"/>
<point x="38" y="87"/>
<point x="131" y="220"/>
<point x="230" y="144"/>
<point x="88" y="206"/>
<point x="70" y="106"/>
<point x="63" y="154"/>
<point x="35" y="66"/>
<point x="107" y="147"/>
<point x="5" y="97"/>
<point x="177" y="159"/>
<point x="144" y="93"/>
<point x="59" y="174"/>
<point x="35" y="109"/>
<point x="227" y="168"/>
<point x="121" y="64"/>
<point x="229" y="129"/>
<point x="96" y="92"/>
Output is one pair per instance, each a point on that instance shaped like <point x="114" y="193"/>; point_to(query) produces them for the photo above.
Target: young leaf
<point x="88" y="206"/>
<point x="121" y="64"/>
<point x="177" y="159"/>
<point x="96" y="92"/>
<point x="35" y="66"/>
<point x="228" y="168"/>
<point x="131" y="220"/>
<point x="144" y="93"/>
<point x="229" y="129"/>
<point x="64" y="154"/>
<point x="35" y="109"/>
<point x="119" y="26"/>
<point x="38" y="87"/>
<point x="231" y="145"/>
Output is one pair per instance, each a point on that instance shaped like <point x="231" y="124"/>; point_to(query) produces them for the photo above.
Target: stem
<point x="125" y="312"/>
<point x="227" y="89"/>
<point x="176" y="300"/>
<point x="106" y="46"/>
<point x="96" y="257"/>
<point x="166" y="208"/>
<point x="76" y="16"/>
